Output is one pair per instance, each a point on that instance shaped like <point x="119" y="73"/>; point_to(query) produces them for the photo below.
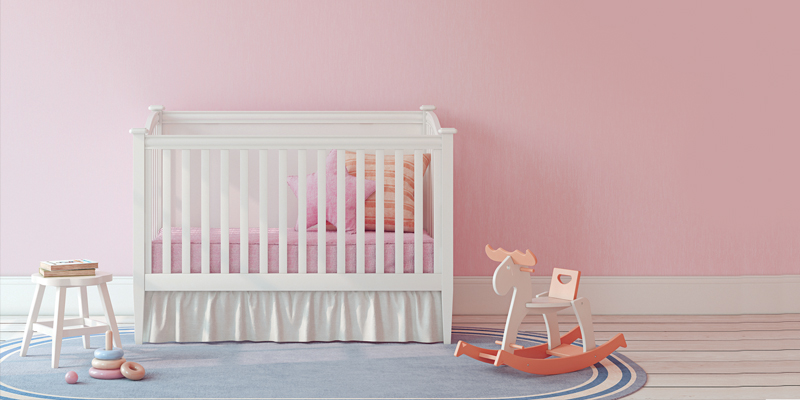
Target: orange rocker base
<point x="562" y="294"/>
<point x="534" y="359"/>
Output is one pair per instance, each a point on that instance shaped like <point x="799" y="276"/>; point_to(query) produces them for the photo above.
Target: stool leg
<point x="33" y="316"/>
<point x="83" y="306"/>
<point x="109" y="311"/>
<point x="58" y="324"/>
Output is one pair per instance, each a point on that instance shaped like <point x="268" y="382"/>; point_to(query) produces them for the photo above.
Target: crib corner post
<point x="139" y="249"/>
<point x="425" y="110"/>
<point x="447" y="231"/>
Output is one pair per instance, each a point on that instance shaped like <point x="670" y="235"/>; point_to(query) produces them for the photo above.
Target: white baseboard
<point x="16" y="295"/>
<point x="621" y="295"/>
<point x="651" y="295"/>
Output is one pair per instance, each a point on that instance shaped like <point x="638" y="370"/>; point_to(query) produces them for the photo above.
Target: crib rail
<point x="189" y="142"/>
<point x="294" y="282"/>
<point x="291" y="117"/>
<point x="168" y="170"/>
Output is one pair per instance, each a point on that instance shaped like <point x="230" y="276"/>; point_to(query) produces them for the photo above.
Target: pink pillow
<point x="330" y="198"/>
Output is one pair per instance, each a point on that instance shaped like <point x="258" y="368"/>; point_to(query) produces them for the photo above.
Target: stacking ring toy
<point x="113" y="354"/>
<point x="132" y="371"/>
<point x="107" y="364"/>
<point x="105" y="373"/>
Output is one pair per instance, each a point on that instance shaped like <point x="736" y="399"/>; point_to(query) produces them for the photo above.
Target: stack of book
<point x="78" y="267"/>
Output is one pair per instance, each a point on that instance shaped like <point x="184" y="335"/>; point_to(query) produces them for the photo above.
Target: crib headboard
<point x="222" y="169"/>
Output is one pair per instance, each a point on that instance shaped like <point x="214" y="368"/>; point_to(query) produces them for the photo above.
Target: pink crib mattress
<point x="292" y="251"/>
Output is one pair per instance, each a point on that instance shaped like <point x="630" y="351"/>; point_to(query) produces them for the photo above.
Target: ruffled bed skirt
<point x="293" y="316"/>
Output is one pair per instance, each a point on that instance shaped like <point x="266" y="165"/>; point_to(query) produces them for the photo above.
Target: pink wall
<point x="619" y="138"/>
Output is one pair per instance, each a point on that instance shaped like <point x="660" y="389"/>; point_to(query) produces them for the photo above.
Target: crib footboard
<point x="213" y="209"/>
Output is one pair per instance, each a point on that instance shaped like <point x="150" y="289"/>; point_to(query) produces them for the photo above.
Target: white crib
<point x="217" y="257"/>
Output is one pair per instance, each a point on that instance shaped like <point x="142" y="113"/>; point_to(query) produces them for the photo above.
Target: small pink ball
<point x="71" y="377"/>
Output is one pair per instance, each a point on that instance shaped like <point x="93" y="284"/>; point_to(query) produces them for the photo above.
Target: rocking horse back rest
<point x="562" y="288"/>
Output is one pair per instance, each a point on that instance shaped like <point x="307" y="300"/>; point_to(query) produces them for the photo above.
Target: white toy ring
<point x="107" y="364"/>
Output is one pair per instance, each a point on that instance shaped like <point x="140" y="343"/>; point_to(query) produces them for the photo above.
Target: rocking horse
<point x="558" y="355"/>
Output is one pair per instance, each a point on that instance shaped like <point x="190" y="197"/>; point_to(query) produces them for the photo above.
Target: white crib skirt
<point x="293" y="316"/>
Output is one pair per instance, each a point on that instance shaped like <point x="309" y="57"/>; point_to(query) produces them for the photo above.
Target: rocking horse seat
<point x="549" y="303"/>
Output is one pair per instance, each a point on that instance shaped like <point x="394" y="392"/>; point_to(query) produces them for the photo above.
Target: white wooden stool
<point x="59" y="327"/>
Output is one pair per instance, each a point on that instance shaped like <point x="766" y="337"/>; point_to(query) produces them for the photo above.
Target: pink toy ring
<point x="105" y="373"/>
<point x="107" y="364"/>
<point x="132" y="371"/>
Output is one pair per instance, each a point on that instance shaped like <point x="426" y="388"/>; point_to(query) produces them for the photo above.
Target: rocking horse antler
<point x="519" y="258"/>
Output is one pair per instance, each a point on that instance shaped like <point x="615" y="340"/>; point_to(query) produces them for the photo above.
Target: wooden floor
<point x="685" y="357"/>
<point x="697" y="357"/>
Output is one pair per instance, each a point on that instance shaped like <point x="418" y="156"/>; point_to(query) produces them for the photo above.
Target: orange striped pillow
<point x="389" y="188"/>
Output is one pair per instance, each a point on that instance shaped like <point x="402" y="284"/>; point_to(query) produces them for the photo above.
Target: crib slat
<point x="301" y="212"/>
<point x="360" y="267"/>
<point x="340" y="210"/>
<point x="205" y="213"/>
<point x="380" y="244"/>
<point x="282" y="236"/>
<point x="398" y="211"/>
<point x="166" y="231"/>
<point x="263" y="215"/>
<point x="244" y="213"/>
<point x="418" y="210"/>
<point x="436" y="164"/>
<point x="150" y="173"/>
<point x="186" y="212"/>
<point x="321" y="218"/>
<point x="224" y="207"/>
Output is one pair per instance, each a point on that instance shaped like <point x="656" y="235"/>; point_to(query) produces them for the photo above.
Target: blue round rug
<point x="265" y="370"/>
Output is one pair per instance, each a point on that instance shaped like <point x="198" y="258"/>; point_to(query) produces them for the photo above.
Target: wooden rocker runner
<point x="558" y="355"/>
